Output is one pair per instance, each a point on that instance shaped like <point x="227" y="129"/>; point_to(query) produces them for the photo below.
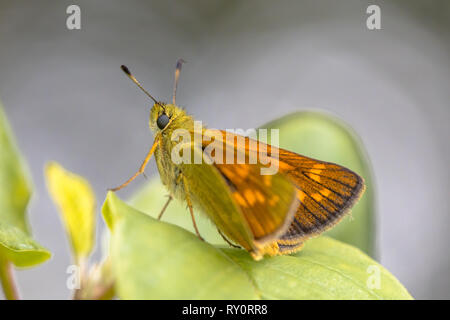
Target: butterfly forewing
<point x="268" y="202"/>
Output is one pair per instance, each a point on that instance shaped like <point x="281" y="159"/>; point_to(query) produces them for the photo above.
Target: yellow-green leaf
<point x="19" y="248"/>
<point x="75" y="200"/>
<point x="16" y="243"/>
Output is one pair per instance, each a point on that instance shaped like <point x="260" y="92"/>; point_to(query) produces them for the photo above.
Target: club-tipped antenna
<point x="177" y="76"/>
<point x="128" y="73"/>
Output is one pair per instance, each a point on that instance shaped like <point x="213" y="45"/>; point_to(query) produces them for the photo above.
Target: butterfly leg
<point x="191" y="210"/>
<point x="226" y="240"/>
<point x="165" y="206"/>
<point x="189" y="203"/>
<point x="141" y="169"/>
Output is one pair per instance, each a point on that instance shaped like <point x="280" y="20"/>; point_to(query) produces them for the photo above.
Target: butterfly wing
<point x="325" y="191"/>
<point x="268" y="202"/>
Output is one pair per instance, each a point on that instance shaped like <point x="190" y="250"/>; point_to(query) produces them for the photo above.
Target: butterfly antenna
<point x="177" y="76"/>
<point x="128" y="73"/>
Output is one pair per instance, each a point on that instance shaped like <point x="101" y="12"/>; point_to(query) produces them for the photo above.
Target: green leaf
<point x="19" y="248"/>
<point x="75" y="200"/>
<point x="324" y="269"/>
<point x="325" y="137"/>
<point x="16" y="243"/>
<point x="157" y="260"/>
<point x="152" y="259"/>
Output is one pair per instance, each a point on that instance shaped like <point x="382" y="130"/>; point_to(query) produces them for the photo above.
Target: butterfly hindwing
<point x="212" y="195"/>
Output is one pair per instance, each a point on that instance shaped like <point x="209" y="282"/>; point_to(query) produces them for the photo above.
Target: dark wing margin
<point x="326" y="192"/>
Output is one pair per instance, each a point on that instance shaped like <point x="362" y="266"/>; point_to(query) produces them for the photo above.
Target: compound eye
<point x="162" y="121"/>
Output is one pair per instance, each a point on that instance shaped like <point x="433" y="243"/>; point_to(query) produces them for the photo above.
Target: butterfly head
<point x="163" y="115"/>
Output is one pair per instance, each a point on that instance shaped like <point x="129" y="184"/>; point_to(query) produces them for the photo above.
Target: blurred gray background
<point x="248" y="62"/>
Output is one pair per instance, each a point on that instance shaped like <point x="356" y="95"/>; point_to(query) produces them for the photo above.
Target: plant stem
<point x="81" y="262"/>
<point x="8" y="281"/>
<point x="105" y="293"/>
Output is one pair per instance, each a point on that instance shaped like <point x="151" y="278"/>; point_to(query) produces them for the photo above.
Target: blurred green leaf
<point x="16" y="243"/>
<point x="75" y="200"/>
<point x="322" y="136"/>
<point x="156" y="260"/>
